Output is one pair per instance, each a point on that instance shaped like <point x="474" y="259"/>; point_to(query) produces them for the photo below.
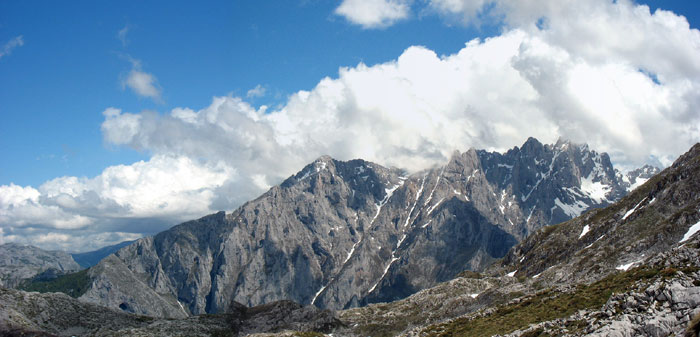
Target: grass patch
<point x="74" y="284"/>
<point x="470" y="274"/>
<point x="308" y="334"/>
<point x="546" y="305"/>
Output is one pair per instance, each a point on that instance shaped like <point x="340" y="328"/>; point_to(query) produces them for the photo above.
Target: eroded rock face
<point x="19" y="262"/>
<point x="56" y="314"/>
<point x="342" y="234"/>
<point x="279" y="316"/>
<point x="34" y="314"/>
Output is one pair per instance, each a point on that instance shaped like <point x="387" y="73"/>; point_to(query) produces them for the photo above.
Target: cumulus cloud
<point x="529" y="81"/>
<point x="7" y="49"/>
<point x="124" y="202"/>
<point x="143" y="84"/>
<point x="140" y="82"/>
<point x="627" y="84"/>
<point x="374" y="13"/>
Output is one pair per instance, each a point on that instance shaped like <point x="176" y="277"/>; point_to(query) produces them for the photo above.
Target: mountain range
<point x="448" y="251"/>
<point x="344" y="234"/>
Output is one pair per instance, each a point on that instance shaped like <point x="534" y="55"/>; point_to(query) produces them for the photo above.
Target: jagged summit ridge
<point x="654" y="217"/>
<point x="341" y="234"/>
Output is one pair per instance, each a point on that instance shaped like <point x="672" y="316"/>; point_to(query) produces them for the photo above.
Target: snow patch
<point x="389" y="192"/>
<point x="544" y="176"/>
<point x="511" y="274"/>
<point x="638" y="182"/>
<point x="383" y="274"/>
<point x="633" y="209"/>
<point x="596" y="240"/>
<point x="500" y="204"/>
<point x="430" y="197"/>
<point x="420" y="192"/>
<point x="427" y="223"/>
<point x="430" y="210"/>
<point x="624" y="267"/>
<point x="398" y="244"/>
<point x="182" y="307"/>
<point x="585" y="230"/>
<point x="595" y="190"/>
<point x="571" y="210"/>
<point x="536" y="276"/>
<point x="691" y="231"/>
<point x="530" y="215"/>
<point x="472" y="175"/>
<point x="352" y="250"/>
<point x="574" y="191"/>
<point x="473" y="295"/>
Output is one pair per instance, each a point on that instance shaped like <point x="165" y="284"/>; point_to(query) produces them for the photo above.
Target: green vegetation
<point x="536" y="333"/>
<point x="548" y="305"/>
<point x="470" y="274"/>
<point x="308" y="334"/>
<point x="74" y="284"/>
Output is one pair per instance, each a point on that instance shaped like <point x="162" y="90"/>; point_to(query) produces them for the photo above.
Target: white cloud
<point x="119" y="128"/>
<point x="374" y="13"/>
<point x="7" y="49"/>
<point x="465" y="10"/>
<point x="258" y="91"/>
<point x="122" y="35"/>
<point x="125" y="201"/>
<point x="588" y="83"/>
<point x="140" y="82"/>
<point x="143" y="84"/>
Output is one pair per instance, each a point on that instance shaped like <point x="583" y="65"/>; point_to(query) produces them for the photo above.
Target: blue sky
<point x="55" y="86"/>
<point x="73" y="113"/>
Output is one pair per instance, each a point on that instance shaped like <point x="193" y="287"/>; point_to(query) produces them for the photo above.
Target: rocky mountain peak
<point x="531" y="146"/>
<point x="340" y="234"/>
<point x="651" y="219"/>
<point x="688" y="158"/>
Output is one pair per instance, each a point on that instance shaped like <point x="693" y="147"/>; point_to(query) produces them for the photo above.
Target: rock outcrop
<point x="56" y="314"/>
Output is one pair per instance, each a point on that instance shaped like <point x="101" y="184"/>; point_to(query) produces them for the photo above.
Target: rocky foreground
<point x="56" y="314"/>
<point x="660" y="297"/>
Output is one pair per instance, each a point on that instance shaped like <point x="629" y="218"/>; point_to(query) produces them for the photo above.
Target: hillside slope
<point x="630" y="269"/>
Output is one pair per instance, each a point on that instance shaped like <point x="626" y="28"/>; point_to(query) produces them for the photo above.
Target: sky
<point x="121" y="119"/>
